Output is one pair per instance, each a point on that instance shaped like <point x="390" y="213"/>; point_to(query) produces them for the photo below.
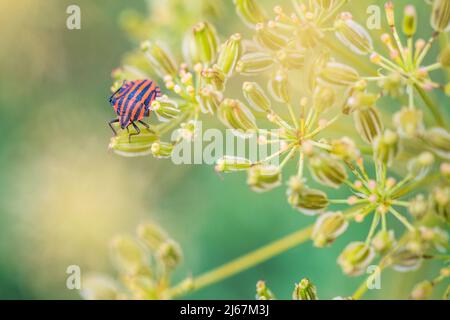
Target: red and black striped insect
<point x="132" y="102"/>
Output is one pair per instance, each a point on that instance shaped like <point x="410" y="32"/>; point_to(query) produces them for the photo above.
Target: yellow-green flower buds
<point x="232" y="164"/>
<point x="344" y="149"/>
<point x="444" y="57"/>
<point x="169" y="254"/>
<point x="404" y="260"/>
<point x="254" y="63"/>
<point x="235" y="115"/>
<point x="410" y="21"/>
<point x="128" y="254"/>
<point x="256" y="97"/>
<point x="419" y="166"/>
<point x="355" y="258"/>
<point x="269" y="38"/>
<point x="291" y="59"/>
<point x="162" y="149"/>
<point x="214" y="76"/>
<point x="328" y="227"/>
<point x="99" y="287"/>
<point x="165" y="109"/>
<point x="307" y="200"/>
<point x="386" y="147"/>
<point x="422" y="290"/>
<point x="440" y="17"/>
<point x="263" y="178"/>
<point x="353" y="35"/>
<point x="327" y="170"/>
<point x="159" y="58"/>
<point x="152" y="235"/>
<point x="409" y="122"/>
<point x="209" y="99"/>
<point x="339" y="74"/>
<point x="263" y="292"/>
<point x="250" y="12"/>
<point x="440" y="202"/>
<point x="418" y="207"/>
<point x="438" y="139"/>
<point x="279" y="86"/>
<point x="229" y="54"/>
<point x="392" y="84"/>
<point x="324" y="98"/>
<point x="368" y="123"/>
<point x="132" y="146"/>
<point x="383" y="241"/>
<point x="201" y="44"/>
<point x="305" y="290"/>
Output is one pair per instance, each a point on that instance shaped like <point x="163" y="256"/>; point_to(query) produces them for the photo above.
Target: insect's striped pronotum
<point x="132" y="102"/>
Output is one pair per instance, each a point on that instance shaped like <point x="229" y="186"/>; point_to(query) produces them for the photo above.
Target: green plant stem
<point x="437" y="114"/>
<point x="247" y="261"/>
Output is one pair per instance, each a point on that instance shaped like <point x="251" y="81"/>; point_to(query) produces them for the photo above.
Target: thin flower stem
<point x="288" y="157"/>
<point x="293" y="117"/>
<point x="437" y="114"/>
<point x="247" y="261"/>
<point x="402" y="219"/>
<point x="375" y="221"/>
<point x="301" y="163"/>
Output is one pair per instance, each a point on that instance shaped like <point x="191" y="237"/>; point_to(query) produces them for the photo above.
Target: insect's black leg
<point x="138" y="131"/>
<point x="146" y="125"/>
<point x="111" y="126"/>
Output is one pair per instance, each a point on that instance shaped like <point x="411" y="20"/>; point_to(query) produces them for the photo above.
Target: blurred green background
<point x="63" y="195"/>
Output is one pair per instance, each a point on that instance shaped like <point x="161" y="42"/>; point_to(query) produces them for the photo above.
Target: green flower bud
<point x="344" y="149"/>
<point x="209" y="99"/>
<point x="152" y="235"/>
<point x="440" y="16"/>
<point x="422" y="290"/>
<point x="438" y="139"/>
<point x="142" y="288"/>
<point x="355" y="258"/>
<point x="383" y="241"/>
<point x="250" y="12"/>
<point x="440" y="202"/>
<point x="324" y="98"/>
<point x="410" y="21"/>
<point x="279" y="86"/>
<point x="409" y="122"/>
<point x="435" y="236"/>
<point x="405" y="260"/>
<point x="444" y="57"/>
<point x="133" y="146"/>
<point x="160" y="59"/>
<point x="263" y="178"/>
<point x="169" y="254"/>
<point x="99" y="287"/>
<point x="235" y="115"/>
<point x="233" y="164"/>
<point x="309" y="201"/>
<point x="386" y="147"/>
<point x="392" y="84"/>
<point x="165" y="109"/>
<point x="214" y="76"/>
<point x="328" y="227"/>
<point x="291" y="59"/>
<point x="353" y="35"/>
<point x="263" y="292"/>
<point x="418" y="207"/>
<point x="162" y="149"/>
<point x="256" y="97"/>
<point x="338" y="74"/>
<point x="269" y="38"/>
<point x="420" y="166"/>
<point x="201" y="44"/>
<point x="368" y="123"/>
<point x="128" y="254"/>
<point x="305" y="290"/>
<point x="229" y="54"/>
<point x="254" y="63"/>
<point x="327" y="170"/>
